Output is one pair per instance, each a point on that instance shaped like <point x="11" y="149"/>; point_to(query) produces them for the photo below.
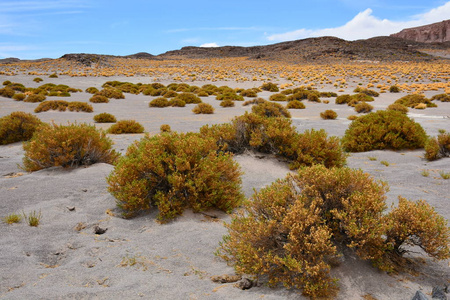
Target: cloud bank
<point x="365" y="25"/>
<point x="209" y="45"/>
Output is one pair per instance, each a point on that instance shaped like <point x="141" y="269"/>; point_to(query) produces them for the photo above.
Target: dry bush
<point x="270" y="109"/>
<point x="253" y="101"/>
<point x="229" y="95"/>
<point x="295" y="104"/>
<point x="271" y="87"/>
<point x="60" y="105"/>
<point x="173" y="171"/>
<point x="126" y="87"/>
<point x="126" y="126"/>
<point x="105" y="118"/>
<point x="278" y="97"/>
<point x="7" y="92"/>
<point x="67" y="146"/>
<point x="159" y="102"/>
<point x="436" y="148"/>
<point x="398" y="107"/>
<point x="383" y="130"/>
<point x="202" y="93"/>
<point x="111" y="93"/>
<point x="327" y="94"/>
<point x="414" y="100"/>
<point x="352" y="117"/>
<point x="368" y="92"/>
<point x="165" y="128"/>
<point x="99" y="99"/>
<point x="92" y="90"/>
<point x="441" y="97"/>
<point x="19" y="97"/>
<point x="394" y="89"/>
<point x="170" y="94"/>
<point x="175" y="102"/>
<point x="38" y="79"/>
<point x="343" y="99"/>
<point x="291" y="232"/>
<point x="80" y="106"/>
<point x="249" y="93"/>
<point x="363" y="107"/>
<point x="189" y="98"/>
<point x="17" y="126"/>
<point x="34" y="98"/>
<point x="328" y="114"/>
<point x="203" y="108"/>
<point x="227" y="103"/>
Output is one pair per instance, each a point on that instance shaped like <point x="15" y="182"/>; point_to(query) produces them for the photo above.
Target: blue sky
<point x="36" y="29"/>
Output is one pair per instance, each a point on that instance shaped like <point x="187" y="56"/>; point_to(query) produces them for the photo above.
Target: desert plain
<point x="139" y="258"/>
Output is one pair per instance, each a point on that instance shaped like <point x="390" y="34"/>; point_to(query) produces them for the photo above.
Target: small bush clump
<point x="38" y="79"/>
<point x="295" y="104"/>
<point x="7" y="92"/>
<point x="111" y="93"/>
<point x="98" y="99"/>
<point x="173" y="171"/>
<point x="363" y="107"/>
<point x="175" y="102"/>
<point x="19" y="97"/>
<point x="441" y="97"/>
<point x="165" y="128"/>
<point x="278" y="97"/>
<point x="343" y="99"/>
<point x="105" y="118"/>
<point x="414" y="100"/>
<point x="368" y="92"/>
<point x="62" y="105"/>
<point x="159" y="102"/>
<point x="383" y="130"/>
<point x="189" y="98"/>
<point x="328" y="114"/>
<point x="227" y="103"/>
<point x="436" y="148"/>
<point x="253" y="101"/>
<point x="398" y="107"/>
<point x="249" y="93"/>
<point x="17" y="126"/>
<point x="271" y="87"/>
<point x="92" y="90"/>
<point x="394" y="89"/>
<point x="270" y="109"/>
<point x="67" y="146"/>
<point x="126" y="126"/>
<point x="34" y="98"/>
<point x="12" y="218"/>
<point x="203" y="108"/>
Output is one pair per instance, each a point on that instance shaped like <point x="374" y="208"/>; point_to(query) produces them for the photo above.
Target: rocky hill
<point x="432" y="33"/>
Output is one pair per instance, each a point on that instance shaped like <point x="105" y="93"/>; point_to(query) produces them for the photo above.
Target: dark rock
<point x="245" y="284"/>
<point x="99" y="230"/>
<point x="419" y="296"/>
<point x="438" y="293"/>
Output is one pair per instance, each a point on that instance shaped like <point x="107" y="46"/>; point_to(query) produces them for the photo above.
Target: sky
<point x="33" y="29"/>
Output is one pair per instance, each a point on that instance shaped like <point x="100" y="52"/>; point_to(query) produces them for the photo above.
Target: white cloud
<point x="364" y="25"/>
<point x="209" y="45"/>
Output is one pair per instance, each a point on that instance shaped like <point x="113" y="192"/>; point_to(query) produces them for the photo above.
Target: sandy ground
<point x="140" y="259"/>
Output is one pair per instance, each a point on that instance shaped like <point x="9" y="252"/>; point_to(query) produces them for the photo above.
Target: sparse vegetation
<point x="159" y="102"/>
<point x="227" y="103"/>
<point x="295" y="104"/>
<point x="126" y="126"/>
<point x="328" y="114"/>
<point x="363" y="107"/>
<point x="105" y="118"/>
<point x="18" y="126"/>
<point x="98" y="99"/>
<point x="441" y="97"/>
<point x="12" y="218"/>
<point x="436" y="148"/>
<point x="270" y="109"/>
<point x="415" y="101"/>
<point x="398" y="107"/>
<point x="62" y="105"/>
<point x="203" y="108"/>
<point x="271" y="87"/>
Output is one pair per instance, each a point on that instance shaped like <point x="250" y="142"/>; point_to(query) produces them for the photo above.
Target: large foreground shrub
<point x="383" y="130"/>
<point x="67" y="146"/>
<point x="290" y="232"/>
<point x="436" y="148"/>
<point x="17" y="126"/>
<point x="173" y="171"/>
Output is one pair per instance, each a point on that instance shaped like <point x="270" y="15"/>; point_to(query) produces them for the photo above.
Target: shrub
<point x="313" y="98"/>
<point x="269" y="86"/>
<point x="54" y="75"/>
<point x="227" y="103"/>
<point x="368" y="92"/>
<point x="441" y="97"/>
<point x="19" y="97"/>
<point x="230" y="95"/>
<point x="34" y="98"/>
<point x="12" y="218"/>
<point x="398" y="107"/>
<point x="111" y="93"/>
<point x="173" y="171"/>
<point x="203" y="108"/>
<point x="80" y="106"/>
<point x="60" y="105"/>
<point x="383" y="130"/>
<point x="7" y="92"/>
<point x="328" y="114"/>
<point x="165" y="128"/>
<point x="327" y="94"/>
<point x="18" y="87"/>
<point x="343" y="99"/>
<point x="99" y="99"/>
<point x="159" y="102"/>
<point x="290" y="232"/>
<point x="189" y="98"/>
<point x="126" y="126"/>
<point x="363" y="107"/>
<point x="105" y="118"/>
<point x="270" y="109"/>
<point x="394" y="89"/>
<point x="360" y="97"/>
<point x="6" y="82"/>
<point x="295" y="104"/>
<point x="415" y="99"/>
<point x="92" y="90"/>
<point x="278" y="97"/>
<point x="170" y="94"/>
<point x="67" y="146"/>
<point x="177" y="102"/>
<point x="202" y="93"/>
<point x="254" y="101"/>
<point x="249" y="93"/>
<point x="352" y="117"/>
<point x="436" y="148"/>
<point x="17" y="126"/>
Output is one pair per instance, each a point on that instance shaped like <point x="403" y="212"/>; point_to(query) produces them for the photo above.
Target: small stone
<point x="71" y="208"/>
<point x="419" y="296"/>
<point x="245" y="284"/>
<point x="99" y="230"/>
<point x="438" y="293"/>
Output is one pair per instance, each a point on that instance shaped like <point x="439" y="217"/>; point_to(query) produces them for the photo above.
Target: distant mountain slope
<point x="432" y="33"/>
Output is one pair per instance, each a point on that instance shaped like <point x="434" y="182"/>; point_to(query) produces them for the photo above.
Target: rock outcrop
<point x="433" y="33"/>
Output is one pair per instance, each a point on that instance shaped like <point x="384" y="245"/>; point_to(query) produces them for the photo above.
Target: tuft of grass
<point x="372" y="158"/>
<point x="383" y="162"/>
<point x="425" y="173"/>
<point x="444" y="175"/>
<point x="33" y="218"/>
<point x="12" y="218"/>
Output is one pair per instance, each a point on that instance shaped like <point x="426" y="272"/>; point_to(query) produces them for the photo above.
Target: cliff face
<point x="433" y="33"/>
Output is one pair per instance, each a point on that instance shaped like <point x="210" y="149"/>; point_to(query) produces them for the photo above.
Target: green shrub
<point x="249" y="93"/>
<point x="227" y="103"/>
<point x="105" y="118"/>
<point x="254" y="101"/>
<point x="111" y="93"/>
<point x="230" y="95"/>
<point x="7" y="92"/>
<point x="159" y="102"/>
<point x="173" y="171"/>
<point x="189" y="98"/>
<point x="54" y="75"/>
<point x="271" y="87"/>
<point x="19" y="97"/>
<point x="394" y="89"/>
<point x="126" y="126"/>
<point x="414" y="100"/>
<point x="175" y="102"/>
<point x="292" y="231"/>
<point x="126" y="87"/>
<point x="295" y="104"/>
<point x="67" y="146"/>
<point x="270" y="109"/>
<point x="441" y="97"/>
<point x="313" y="98"/>
<point x="6" y="82"/>
<point x="398" y="107"/>
<point x="356" y="98"/>
<point x="202" y="93"/>
<point x="99" y="99"/>
<point x="17" y="126"/>
<point x="170" y="94"/>
<point x="383" y="130"/>
<point x="165" y="128"/>
<point x="363" y="107"/>
<point x="34" y="98"/>
<point x="436" y="148"/>
<point x="327" y="94"/>
<point x="80" y="106"/>
<point x="368" y="92"/>
<point x="92" y="90"/>
<point x="12" y="218"/>
<point x="60" y="105"/>
<point x="203" y="108"/>
<point x="343" y="99"/>
<point x="328" y="114"/>
<point x="278" y="97"/>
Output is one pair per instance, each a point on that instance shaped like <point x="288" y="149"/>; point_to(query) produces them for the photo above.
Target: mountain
<point x="432" y="33"/>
